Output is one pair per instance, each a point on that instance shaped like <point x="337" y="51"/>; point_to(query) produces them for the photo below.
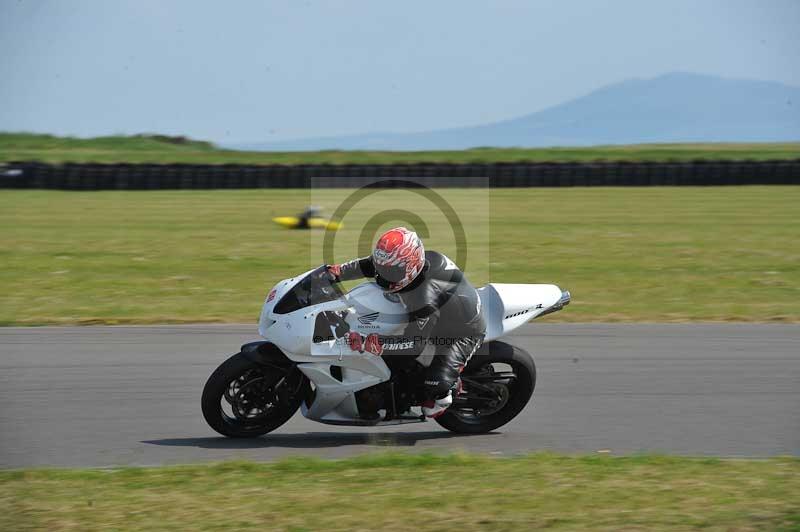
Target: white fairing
<point x="507" y="306"/>
<point x="367" y="309"/>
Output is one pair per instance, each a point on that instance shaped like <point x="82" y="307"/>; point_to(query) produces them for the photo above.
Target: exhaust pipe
<point x="565" y="298"/>
<point x="561" y="303"/>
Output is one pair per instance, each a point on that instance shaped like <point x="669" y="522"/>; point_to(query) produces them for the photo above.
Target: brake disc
<point x="253" y="399"/>
<point x="237" y="384"/>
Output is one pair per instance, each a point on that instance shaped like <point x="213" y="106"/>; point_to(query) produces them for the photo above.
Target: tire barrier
<point x="184" y="176"/>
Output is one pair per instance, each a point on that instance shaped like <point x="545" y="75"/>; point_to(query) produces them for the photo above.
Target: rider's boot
<point x="434" y="408"/>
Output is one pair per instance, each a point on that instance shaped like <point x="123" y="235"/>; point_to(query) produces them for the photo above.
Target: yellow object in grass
<point x="294" y="222"/>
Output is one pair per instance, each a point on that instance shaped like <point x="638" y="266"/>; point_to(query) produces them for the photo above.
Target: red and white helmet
<point x="399" y="257"/>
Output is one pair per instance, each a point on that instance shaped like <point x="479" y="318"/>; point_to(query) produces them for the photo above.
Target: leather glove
<point x="355" y="341"/>
<point x="334" y="271"/>
<point x="370" y="343"/>
<point x="373" y="345"/>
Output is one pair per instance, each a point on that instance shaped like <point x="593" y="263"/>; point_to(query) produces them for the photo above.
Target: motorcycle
<point x="304" y="362"/>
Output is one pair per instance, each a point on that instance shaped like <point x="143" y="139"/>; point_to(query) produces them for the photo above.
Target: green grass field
<point x="396" y="492"/>
<point x="160" y="149"/>
<point x="627" y="254"/>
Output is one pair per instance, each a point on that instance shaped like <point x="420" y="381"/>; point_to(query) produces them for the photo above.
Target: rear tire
<point x="466" y="422"/>
<point x="272" y="404"/>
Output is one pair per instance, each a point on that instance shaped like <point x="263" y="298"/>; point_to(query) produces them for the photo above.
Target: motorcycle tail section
<point x="507" y="306"/>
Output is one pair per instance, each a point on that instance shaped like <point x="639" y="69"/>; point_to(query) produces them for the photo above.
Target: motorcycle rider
<point x="312" y="211"/>
<point x="444" y="309"/>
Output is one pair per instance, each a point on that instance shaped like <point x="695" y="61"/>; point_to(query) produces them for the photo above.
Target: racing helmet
<point x="399" y="257"/>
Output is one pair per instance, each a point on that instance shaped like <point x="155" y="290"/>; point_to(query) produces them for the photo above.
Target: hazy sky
<point x="264" y="71"/>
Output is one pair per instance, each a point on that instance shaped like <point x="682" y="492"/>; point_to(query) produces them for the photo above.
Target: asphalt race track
<point x="103" y="396"/>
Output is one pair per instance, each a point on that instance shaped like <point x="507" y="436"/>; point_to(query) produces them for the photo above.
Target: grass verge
<point x="163" y="149"/>
<point x="413" y="492"/>
<point x="627" y="254"/>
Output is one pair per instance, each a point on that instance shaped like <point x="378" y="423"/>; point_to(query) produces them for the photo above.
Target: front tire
<point x="514" y="392"/>
<point x="245" y="399"/>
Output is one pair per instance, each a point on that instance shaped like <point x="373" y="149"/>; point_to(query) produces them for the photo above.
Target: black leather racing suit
<point x="444" y="310"/>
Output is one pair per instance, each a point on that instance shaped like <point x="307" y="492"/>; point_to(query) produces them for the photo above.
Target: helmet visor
<point x="392" y="273"/>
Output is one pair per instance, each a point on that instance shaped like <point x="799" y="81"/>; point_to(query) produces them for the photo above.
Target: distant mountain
<point x="677" y="107"/>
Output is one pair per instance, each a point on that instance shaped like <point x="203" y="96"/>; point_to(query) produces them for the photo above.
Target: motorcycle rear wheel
<point x="514" y="392"/>
<point x="245" y="399"/>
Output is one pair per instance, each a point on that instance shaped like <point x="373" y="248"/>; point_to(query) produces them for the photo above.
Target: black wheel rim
<point x="487" y="390"/>
<point x="256" y="397"/>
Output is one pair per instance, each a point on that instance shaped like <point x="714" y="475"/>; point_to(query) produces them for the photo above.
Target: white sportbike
<point x="305" y="363"/>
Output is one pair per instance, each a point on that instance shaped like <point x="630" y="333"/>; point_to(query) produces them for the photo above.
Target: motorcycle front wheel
<point x="497" y="384"/>
<point x="245" y="399"/>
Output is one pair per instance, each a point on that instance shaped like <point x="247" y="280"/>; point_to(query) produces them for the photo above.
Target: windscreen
<point x="315" y="288"/>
